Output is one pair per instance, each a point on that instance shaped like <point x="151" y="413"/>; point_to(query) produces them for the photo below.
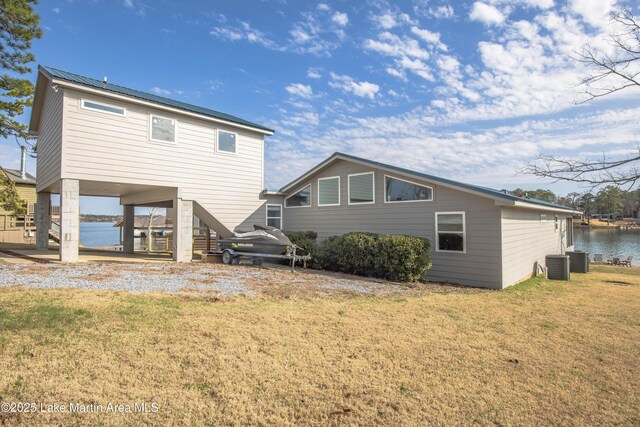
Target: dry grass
<point x="539" y="353"/>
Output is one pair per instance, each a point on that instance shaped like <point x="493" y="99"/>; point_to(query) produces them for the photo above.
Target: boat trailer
<point x="233" y="257"/>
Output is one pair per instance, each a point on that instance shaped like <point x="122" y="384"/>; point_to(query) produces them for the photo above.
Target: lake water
<point x="95" y="234"/>
<point x="608" y="242"/>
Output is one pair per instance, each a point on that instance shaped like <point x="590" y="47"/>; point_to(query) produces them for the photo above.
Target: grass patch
<point x="542" y="352"/>
<point x="41" y="316"/>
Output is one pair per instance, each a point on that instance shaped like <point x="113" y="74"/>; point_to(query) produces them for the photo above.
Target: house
<point x="100" y="139"/>
<point x="479" y="236"/>
<point x="97" y="138"/>
<point x="18" y="228"/>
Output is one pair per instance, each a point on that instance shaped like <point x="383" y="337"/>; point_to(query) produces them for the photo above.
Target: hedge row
<point x="391" y="257"/>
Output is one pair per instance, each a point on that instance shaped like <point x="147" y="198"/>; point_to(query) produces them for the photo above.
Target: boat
<point x="263" y="240"/>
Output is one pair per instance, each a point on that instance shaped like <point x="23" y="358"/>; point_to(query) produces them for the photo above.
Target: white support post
<point x="69" y="220"/>
<point x="182" y="230"/>
<point x="128" y="229"/>
<point x="43" y="221"/>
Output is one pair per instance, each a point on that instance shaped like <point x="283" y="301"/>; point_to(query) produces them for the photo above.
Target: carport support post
<point x="43" y="220"/>
<point x="128" y="229"/>
<point x="183" y="230"/>
<point x="69" y="219"/>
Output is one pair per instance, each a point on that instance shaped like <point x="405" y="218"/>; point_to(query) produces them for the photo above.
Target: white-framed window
<point x="274" y="216"/>
<point x="329" y="191"/>
<point x="299" y="199"/>
<point x="101" y="107"/>
<point x="557" y="222"/>
<point x="162" y="129"/>
<point x="451" y="232"/>
<point x="397" y="190"/>
<point x="543" y="218"/>
<point x="227" y="142"/>
<point x="361" y="188"/>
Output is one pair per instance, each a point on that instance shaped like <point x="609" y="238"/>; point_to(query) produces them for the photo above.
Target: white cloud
<point x="243" y="31"/>
<point x="324" y="6"/>
<point x="392" y="45"/>
<point x="299" y="89"/>
<point x="349" y="85"/>
<point x="340" y="19"/>
<point x="314" y="73"/>
<point x="56" y="10"/>
<point x="166" y="92"/>
<point x="594" y="12"/>
<point x="442" y="12"/>
<point x="386" y="21"/>
<point x="487" y="14"/>
<point x="429" y="37"/>
<point x="128" y="3"/>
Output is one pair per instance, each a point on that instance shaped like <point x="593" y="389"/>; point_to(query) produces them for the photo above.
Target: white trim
<point x="410" y="182"/>
<point x="85" y="107"/>
<point x="82" y="88"/>
<point x="267" y="217"/>
<point x="545" y="218"/>
<point x="175" y="130"/>
<point x="373" y="183"/>
<point x="464" y="232"/>
<point x="305" y="206"/>
<point x="339" y="192"/>
<point x="218" y="150"/>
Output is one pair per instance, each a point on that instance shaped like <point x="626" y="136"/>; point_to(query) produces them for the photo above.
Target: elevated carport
<point x="131" y="195"/>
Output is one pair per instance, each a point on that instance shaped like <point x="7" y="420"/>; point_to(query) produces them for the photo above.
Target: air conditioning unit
<point x="558" y="267"/>
<point x="578" y="261"/>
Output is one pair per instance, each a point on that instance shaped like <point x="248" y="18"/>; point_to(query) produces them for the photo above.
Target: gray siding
<point x="50" y="140"/>
<point x="479" y="266"/>
<point x="107" y="148"/>
<point x="526" y="241"/>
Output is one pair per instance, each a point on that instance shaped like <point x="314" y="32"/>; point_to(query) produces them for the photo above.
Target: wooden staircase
<point x="54" y="232"/>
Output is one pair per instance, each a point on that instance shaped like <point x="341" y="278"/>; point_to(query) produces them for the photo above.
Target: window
<point x="163" y="129"/>
<point x="329" y="191"/>
<point x="399" y="190"/>
<point x="274" y="216"/>
<point x="450" y="232"/>
<point x="300" y="199"/>
<point x="227" y="142"/>
<point x="543" y="218"/>
<point x="361" y="188"/>
<point x="103" y="108"/>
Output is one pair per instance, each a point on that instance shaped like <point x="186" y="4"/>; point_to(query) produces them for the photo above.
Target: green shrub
<point x="391" y="257"/>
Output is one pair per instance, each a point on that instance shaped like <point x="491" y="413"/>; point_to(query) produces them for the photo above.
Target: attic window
<point x="163" y="129"/>
<point x="103" y="108"/>
<point x="299" y="199"/>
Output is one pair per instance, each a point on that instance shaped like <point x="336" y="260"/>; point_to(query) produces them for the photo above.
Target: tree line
<point x="608" y="200"/>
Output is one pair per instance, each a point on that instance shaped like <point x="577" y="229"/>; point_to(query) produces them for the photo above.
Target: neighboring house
<point x="96" y="138"/>
<point x="14" y="228"/>
<point x="479" y="236"/>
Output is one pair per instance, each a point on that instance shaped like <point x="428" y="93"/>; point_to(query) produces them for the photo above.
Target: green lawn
<point x="538" y="353"/>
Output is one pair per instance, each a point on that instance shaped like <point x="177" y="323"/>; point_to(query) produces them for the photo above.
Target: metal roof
<point x="109" y="87"/>
<point x="484" y="190"/>
<point x="14" y="176"/>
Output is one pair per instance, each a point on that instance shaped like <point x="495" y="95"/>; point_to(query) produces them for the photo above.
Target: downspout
<point x="23" y="162"/>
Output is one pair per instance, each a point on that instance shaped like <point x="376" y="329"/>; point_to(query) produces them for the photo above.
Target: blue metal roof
<point x="109" y="87"/>
<point x="484" y="190"/>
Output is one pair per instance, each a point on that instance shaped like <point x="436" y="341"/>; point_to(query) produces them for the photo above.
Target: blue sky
<point x="465" y="90"/>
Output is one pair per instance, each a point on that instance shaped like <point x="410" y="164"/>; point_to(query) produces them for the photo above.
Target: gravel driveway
<point x="214" y="279"/>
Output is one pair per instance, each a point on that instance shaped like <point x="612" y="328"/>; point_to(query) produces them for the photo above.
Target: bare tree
<point x="610" y="73"/>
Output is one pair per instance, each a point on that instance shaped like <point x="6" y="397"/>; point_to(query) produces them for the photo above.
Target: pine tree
<point x="19" y="26"/>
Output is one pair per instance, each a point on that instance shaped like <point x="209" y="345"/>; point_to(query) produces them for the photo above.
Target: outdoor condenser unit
<point x="558" y="267"/>
<point x="578" y="261"/>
